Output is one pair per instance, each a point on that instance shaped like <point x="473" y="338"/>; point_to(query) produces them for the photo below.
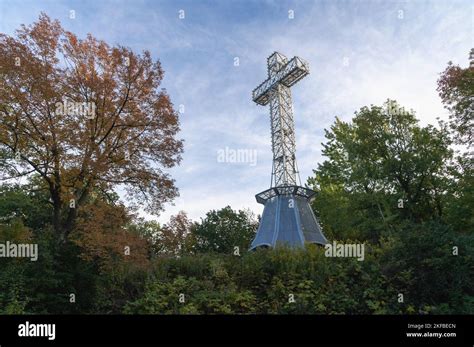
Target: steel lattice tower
<point x="287" y="217"/>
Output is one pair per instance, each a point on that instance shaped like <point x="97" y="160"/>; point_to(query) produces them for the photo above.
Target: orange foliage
<point x="120" y="129"/>
<point x="101" y="234"/>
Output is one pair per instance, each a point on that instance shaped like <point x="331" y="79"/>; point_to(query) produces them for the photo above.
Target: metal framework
<point x="287" y="217"/>
<point x="282" y="74"/>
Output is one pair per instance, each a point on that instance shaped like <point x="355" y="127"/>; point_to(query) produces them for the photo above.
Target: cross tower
<point x="287" y="217"/>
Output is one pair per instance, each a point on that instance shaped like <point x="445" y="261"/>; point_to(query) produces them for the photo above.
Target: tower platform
<point x="287" y="218"/>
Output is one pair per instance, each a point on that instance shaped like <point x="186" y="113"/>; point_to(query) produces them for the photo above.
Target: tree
<point x="174" y="238"/>
<point x="382" y="168"/>
<point x="85" y="116"/>
<point x="25" y="202"/>
<point x="414" y="259"/>
<point x="13" y="282"/>
<point x="223" y="230"/>
<point x="456" y="89"/>
<point x="104" y="237"/>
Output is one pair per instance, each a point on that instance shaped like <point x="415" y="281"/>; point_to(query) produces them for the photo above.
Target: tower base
<point x="287" y="218"/>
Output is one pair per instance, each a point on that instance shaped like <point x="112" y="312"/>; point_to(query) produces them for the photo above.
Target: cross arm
<point x="288" y="75"/>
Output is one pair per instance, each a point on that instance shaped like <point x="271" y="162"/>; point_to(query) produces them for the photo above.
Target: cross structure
<point x="287" y="216"/>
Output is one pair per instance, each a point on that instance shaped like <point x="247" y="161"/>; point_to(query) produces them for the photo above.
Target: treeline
<point x="412" y="271"/>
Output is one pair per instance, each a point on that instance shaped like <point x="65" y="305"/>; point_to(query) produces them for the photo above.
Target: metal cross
<point x="282" y="74"/>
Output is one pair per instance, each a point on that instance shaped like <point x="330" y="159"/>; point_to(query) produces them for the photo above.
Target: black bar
<point x="292" y="330"/>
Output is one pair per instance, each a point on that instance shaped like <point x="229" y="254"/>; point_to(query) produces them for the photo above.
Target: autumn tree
<point x="104" y="238"/>
<point x="174" y="238"/>
<point x="456" y="89"/>
<point x="84" y="115"/>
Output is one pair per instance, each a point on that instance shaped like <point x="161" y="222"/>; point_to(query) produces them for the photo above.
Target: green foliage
<point x="204" y="282"/>
<point x="13" y="279"/>
<point x="381" y="158"/>
<point x="459" y="212"/>
<point x="261" y="282"/>
<point x="21" y="202"/>
<point x="422" y="263"/>
<point x="419" y="263"/>
<point x="223" y="230"/>
<point x="113" y="290"/>
<point x="13" y="297"/>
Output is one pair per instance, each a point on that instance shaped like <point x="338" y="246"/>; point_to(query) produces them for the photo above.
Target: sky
<point x="214" y="54"/>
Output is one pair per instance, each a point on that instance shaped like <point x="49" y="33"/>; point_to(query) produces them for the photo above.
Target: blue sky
<point x="359" y="52"/>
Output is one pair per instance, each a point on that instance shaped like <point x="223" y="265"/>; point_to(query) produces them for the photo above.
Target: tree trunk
<point x="56" y="197"/>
